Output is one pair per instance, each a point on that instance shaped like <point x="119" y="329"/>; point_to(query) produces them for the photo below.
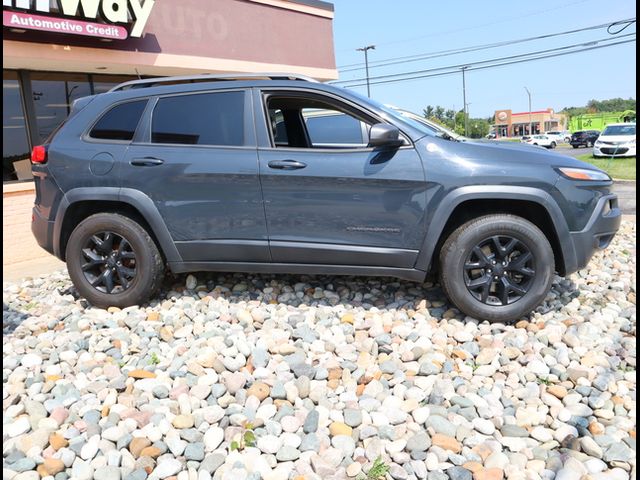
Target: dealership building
<point x="55" y="51"/>
<point x="517" y="124"/>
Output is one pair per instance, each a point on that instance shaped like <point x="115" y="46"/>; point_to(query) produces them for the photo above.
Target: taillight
<point x="39" y="154"/>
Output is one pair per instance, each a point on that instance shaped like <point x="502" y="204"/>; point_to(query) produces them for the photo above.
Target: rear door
<point x="329" y="197"/>
<point x="196" y="158"/>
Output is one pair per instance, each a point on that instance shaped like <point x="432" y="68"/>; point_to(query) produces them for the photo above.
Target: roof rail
<point x="206" y="77"/>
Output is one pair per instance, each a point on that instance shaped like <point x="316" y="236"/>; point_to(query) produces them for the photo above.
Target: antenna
<point x="138" y="73"/>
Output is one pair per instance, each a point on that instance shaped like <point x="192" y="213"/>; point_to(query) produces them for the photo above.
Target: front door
<point x="329" y="198"/>
<point x="197" y="160"/>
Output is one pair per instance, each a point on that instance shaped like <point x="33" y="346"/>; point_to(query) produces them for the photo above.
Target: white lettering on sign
<point x="112" y="11"/>
<point x="62" y="25"/>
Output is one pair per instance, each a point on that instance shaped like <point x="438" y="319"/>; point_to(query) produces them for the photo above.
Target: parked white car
<point x="559" y="136"/>
<point x="540" y="140"/>
<point x="616" y="140"/>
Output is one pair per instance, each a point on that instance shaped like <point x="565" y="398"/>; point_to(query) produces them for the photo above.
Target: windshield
<point x="396" y="114"/>
<point x="620" y="130"/>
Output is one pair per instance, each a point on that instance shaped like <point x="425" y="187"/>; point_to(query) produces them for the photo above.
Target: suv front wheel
<point x="497" y="267"/>
<point x="113" y="261"/>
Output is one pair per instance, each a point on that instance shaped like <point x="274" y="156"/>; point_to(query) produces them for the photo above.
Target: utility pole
<point x="530" y="124"/>
<point x="366" y="63"/>
<point x="464" y="101"/>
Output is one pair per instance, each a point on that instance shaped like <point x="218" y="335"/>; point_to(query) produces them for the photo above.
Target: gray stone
<point x="510" y="430"/>
<point x="194" y="451"/>
<point x="352" y="417"/>
<point x="107" y="473"/>
<point x="287" y="454"/>
<point x="420" y="442"/>
<point x="311" y="422"/>
<point x="459" y="473"/>
<point x="441" y="425"/>
<point x="212" y="462"/>
<point x="618" y="452"/>
<point x="138" y="474"/>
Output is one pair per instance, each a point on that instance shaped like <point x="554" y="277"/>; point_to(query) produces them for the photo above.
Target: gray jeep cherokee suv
<point x="279" y="173"/>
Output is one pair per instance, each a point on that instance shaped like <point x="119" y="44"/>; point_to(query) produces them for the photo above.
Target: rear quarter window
<point x="120" y="122"/>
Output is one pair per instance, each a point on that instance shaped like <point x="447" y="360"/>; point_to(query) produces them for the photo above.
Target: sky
<point x="410" y="27"/>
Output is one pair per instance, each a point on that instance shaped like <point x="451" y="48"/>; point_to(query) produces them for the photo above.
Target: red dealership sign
<point x="62" y="25"/>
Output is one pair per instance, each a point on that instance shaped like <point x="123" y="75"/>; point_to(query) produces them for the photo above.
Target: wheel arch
<point x="79" y="203"/>
<point x="530" y="203"/>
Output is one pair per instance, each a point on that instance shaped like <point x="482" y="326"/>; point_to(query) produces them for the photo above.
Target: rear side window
<point x="200" y="119"/>
<point x="120" y="122"/>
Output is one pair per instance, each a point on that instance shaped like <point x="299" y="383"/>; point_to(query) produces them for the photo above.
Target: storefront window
<point x="104" y="83"/>
<point x="15" y="141"/>
<point x="53" y="94"/>
<point x="51" y="100"/>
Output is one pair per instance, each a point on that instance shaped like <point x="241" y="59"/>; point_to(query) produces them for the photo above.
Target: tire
<point x="575" y="146"/>
<point x="553" y="145"/>
<point x="458" y="254"/>
<point x="136" y="266"/>
<point x="589" y="144"/>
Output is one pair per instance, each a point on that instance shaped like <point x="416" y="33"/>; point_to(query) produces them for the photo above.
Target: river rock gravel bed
<point x="290" y="377"/>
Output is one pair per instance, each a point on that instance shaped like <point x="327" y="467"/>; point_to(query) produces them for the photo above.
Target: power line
<point x="474" y="48"/>
<point x="475" y="27"/>
<point x="496" y="65"/>
<point x="510" y="57"/>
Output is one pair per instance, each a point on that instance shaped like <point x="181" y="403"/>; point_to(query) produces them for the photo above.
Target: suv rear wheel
<point x="113" y="261"/>
<point x="497" y="267"/>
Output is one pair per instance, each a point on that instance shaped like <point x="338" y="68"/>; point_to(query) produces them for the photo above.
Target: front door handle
<point x="286" y="164"/>
<point x="146" y="162"/>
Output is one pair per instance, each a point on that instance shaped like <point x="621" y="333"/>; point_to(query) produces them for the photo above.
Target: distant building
<point x="510" y="124"/>
<point x="597" y="121"/>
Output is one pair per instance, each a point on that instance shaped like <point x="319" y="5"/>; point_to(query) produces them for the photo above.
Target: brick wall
<point x="18" y="244"/>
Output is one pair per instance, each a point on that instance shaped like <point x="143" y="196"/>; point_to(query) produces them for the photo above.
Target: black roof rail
<point x="206" y="77"/>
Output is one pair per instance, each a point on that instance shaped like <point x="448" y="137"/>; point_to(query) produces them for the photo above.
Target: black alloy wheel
<point x="499" y="270"/>
<point x="113" y="261"/>
<point x="109" y="262"/>
<point x="497" y="267"/>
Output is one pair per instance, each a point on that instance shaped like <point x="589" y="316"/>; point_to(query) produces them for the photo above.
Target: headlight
<point x="584" y="174"/>
<point x="631" y="142"/>
<point x="598" y="142"/>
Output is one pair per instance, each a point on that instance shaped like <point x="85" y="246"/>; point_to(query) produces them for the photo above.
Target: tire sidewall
<point x="134" y="234"/>
<point x="457" y="254"/>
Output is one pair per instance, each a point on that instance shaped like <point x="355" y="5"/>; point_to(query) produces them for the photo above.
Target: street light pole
<point x="464" y="101"/>
<point x="530" y="124"/>
<point x="366" y="63"/>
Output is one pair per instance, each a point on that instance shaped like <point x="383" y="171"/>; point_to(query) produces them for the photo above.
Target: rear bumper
<point x="43" y="230"/>
<point x="598" y="233"/>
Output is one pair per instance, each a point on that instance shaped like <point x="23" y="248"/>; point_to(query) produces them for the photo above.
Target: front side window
<point x="332" y="128"/>
<point x="302" y="122"/>
<point x="200" y="119"/>
<point x="120" y="122"/>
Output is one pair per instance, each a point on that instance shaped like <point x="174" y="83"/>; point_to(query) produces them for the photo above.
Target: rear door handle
<point x="146" y="162"/>
<point x="286" y="164"/>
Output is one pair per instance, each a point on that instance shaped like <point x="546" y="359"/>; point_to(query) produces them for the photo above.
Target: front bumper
<point x="614" y="150"/>
<point x="599" y="231"/>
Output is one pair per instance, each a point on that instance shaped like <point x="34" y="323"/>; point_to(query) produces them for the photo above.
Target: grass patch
<point x="623" y="168"/>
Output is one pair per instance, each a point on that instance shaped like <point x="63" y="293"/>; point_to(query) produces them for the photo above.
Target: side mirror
<point x="384" y="135"/>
